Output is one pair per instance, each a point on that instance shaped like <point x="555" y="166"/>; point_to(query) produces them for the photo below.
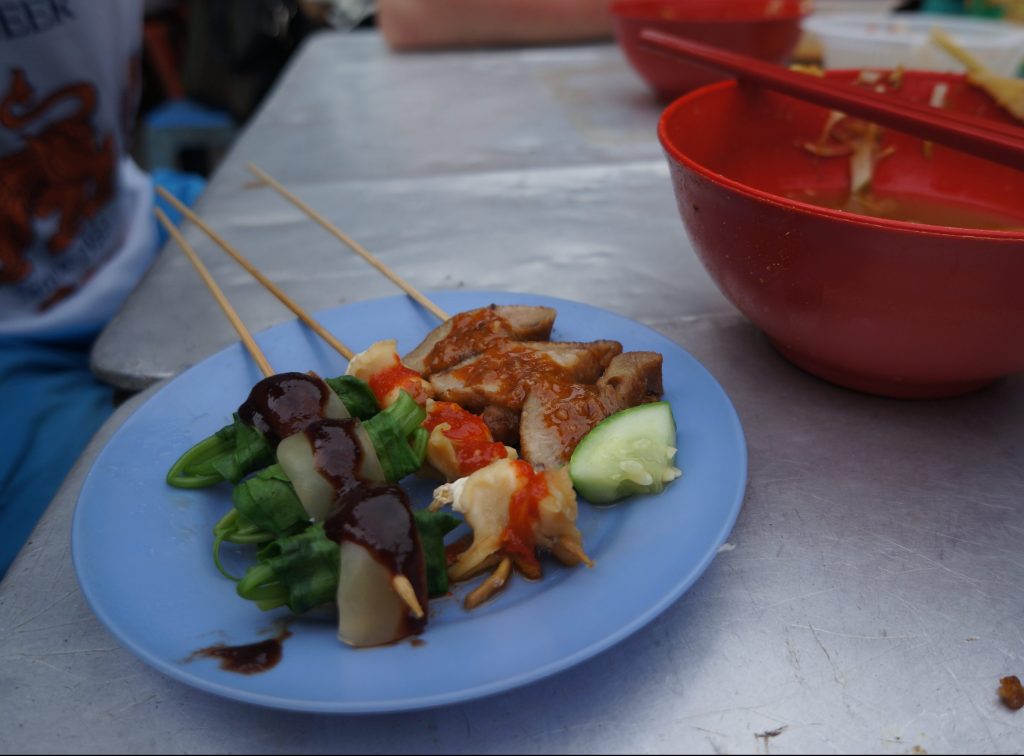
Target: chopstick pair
<point x="246" y="336"/>
<point x="992" y="140"/>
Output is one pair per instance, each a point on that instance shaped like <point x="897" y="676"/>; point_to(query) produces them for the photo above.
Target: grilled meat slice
<point x="556" y="416"/>
<point x="503" y="374"/>
<point x="503" y="424"/>
<point x="475" y="331"/>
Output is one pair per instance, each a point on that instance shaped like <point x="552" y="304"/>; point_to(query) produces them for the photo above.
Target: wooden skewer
<point x="407" y="593"/>
<point x="243" y="332"/>
<point x="349" y="241"/>
<point x="288" y="302"/>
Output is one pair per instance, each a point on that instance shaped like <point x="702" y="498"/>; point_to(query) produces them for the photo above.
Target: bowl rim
<point x="807" y="208"/>
<point x="633" y="10"/>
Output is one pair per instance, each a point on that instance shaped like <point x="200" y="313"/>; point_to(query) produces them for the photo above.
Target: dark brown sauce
<point x="337" y="453"/>
<point x="249" y="659"/>
<point x="284" y="404"/>
<point x="915" y="209"/>
<point x="471" y="332"/>
<point x="417" y="643"/>
<point x="380" y="520"/>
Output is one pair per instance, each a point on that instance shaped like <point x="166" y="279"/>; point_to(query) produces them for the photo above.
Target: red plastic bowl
<point x="883" y="306"/>
<point x="765" y="29"/>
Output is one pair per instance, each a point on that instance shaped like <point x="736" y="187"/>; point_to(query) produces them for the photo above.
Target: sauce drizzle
<point x="398" y="376"/>
<point x="337" y="453"/>
<point x="284" y="404"/>
<point x="379" y="519"/>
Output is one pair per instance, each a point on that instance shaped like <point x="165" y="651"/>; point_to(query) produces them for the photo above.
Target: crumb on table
<point x="1012" y="692"/>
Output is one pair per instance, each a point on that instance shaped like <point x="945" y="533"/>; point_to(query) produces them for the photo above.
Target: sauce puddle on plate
<point x="249" y="659"/>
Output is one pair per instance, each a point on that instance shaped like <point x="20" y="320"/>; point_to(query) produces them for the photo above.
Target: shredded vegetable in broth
<point x="860" y="142"/>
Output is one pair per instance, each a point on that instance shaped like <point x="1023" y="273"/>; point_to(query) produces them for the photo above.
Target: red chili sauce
<point x="524" y="513"/>
<point x="471" y="438"/>
<point x="397" y="376"/>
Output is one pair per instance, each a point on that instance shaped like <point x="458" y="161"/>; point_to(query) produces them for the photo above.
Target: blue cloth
<point x="51" y="406"/>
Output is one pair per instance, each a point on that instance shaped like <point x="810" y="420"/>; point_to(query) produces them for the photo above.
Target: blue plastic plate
<point x="142" y="550"/>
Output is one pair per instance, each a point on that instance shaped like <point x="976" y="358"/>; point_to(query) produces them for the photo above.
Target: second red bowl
<point x="764" y="29"/>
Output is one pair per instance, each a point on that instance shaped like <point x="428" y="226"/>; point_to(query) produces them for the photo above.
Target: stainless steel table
<point x="869" y="598"/>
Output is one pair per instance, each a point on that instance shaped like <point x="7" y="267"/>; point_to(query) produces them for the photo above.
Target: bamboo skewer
<point x="405" y="591"/>
<point x="349" y="241"/>
<point x="288" y="302"/>
<point x="229" y="311"/>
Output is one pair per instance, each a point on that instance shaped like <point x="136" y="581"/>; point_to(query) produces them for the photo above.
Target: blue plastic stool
<point x="179" y="125"/>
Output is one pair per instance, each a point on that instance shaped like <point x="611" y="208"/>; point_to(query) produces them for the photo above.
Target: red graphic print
<point x="63" y="169"/>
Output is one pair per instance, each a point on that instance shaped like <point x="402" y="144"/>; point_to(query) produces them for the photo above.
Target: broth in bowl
<point x="914" y="209"/>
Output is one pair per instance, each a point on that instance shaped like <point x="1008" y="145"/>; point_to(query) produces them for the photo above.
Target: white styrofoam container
<point x="857" y="40"/>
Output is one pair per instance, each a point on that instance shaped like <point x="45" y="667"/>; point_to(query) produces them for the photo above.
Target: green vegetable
<point x="228" y="454"/>
<point x="629" y="452"/>
<point x="301" y="571"/>
<point x="237" y="449"/>
<point x="433" y="527"/>
<point x="268" y="501"/>
<point x="266" y="507"/>
<point x="399" y="438"/>
<point x="356" y="396"/>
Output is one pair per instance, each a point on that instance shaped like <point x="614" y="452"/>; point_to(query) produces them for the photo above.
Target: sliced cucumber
<point x="629" y="452"/>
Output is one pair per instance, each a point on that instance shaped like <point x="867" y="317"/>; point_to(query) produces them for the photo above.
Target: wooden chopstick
<point x="980" y="137"/>
<point x="225" y="305"/>
<point x="291" y="304"/>
<point x="349" y="241"/>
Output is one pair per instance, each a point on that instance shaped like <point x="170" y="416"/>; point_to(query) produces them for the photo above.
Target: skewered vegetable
<point x="382" y="588"/>
<point x="276" y="408"/>
<point x="318" y="466"/>
<point x="301" y="571"/>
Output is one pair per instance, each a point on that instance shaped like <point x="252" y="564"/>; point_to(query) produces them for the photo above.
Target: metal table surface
<point x="869" y="598"/>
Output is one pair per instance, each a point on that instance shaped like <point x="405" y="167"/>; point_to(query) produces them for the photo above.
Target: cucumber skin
<point x="590" y="472"/>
